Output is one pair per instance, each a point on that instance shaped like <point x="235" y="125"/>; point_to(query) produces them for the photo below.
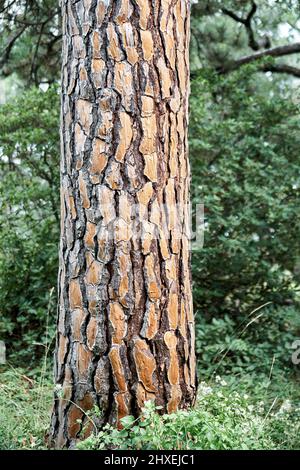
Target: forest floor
<point x="230" y="414"/>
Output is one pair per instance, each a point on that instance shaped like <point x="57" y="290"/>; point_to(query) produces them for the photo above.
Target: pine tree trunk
<point x="125" y="323"/>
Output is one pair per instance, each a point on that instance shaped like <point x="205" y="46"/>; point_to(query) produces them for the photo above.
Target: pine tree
<point x="125" y="330"/>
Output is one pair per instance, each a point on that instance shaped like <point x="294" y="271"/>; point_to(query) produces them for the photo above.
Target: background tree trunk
<point x="125" y="326"/>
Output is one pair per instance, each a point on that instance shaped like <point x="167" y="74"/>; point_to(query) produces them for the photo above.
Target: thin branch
<point x="274" y="68"/>
<point x="10" y="45"/>
<point x="34" y="66"/>
<point x="282" y="68"/>
<point x="278" y="51"/>
<point x="252" y="43"/>
<point x="6" y="7"/>
<point x="36" y="23"/>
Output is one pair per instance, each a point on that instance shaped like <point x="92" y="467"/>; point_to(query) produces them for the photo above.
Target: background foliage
<point x="244" y="137"/>
<point x="29" y="221"/>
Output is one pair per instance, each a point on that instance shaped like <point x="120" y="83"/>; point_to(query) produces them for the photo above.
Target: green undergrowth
<point x="25" y="405"/>
<point x="221" y="420"/>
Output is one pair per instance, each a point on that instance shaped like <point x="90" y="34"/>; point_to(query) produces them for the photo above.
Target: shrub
<point x="244" y="150"/>
<point x="29" y="170"/>
<point x="221" y="420"/>
<point x="256" y="349"/>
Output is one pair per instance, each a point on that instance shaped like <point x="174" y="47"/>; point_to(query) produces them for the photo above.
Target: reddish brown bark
<point x="125" y="326"/>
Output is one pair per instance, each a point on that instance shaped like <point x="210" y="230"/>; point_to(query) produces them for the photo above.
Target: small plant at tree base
<point x="221" y="420"/>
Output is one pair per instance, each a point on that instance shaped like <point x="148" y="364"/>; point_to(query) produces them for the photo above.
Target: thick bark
<point x="125" y="326"/>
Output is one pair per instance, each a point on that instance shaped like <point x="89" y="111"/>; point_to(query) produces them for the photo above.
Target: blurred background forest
<point x="244" y="152"/>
